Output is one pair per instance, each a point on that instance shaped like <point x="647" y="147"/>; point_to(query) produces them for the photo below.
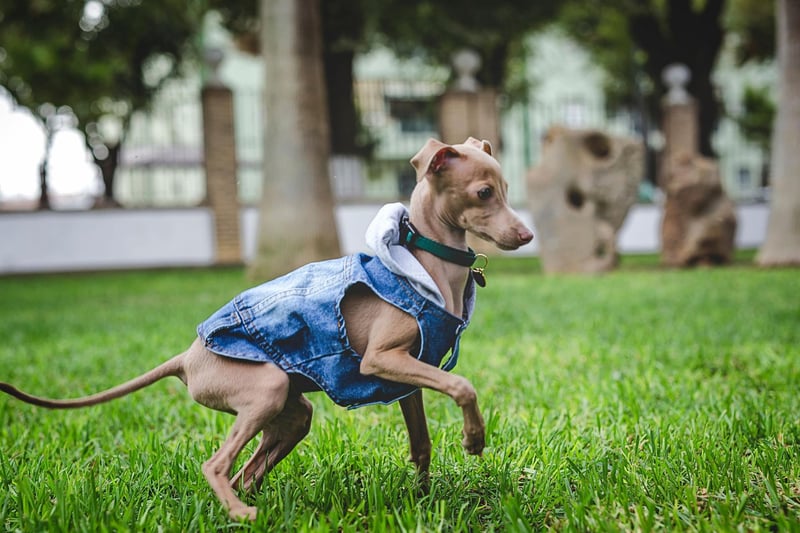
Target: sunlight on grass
<point x="638" y="400"/>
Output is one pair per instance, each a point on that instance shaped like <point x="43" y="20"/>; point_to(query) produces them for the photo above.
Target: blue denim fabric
<point x="296" y="322"/>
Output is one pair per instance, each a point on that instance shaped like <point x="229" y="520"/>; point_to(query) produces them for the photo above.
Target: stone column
<point x="699" y="223"/>
<point x="680" y="123"/>
<point x="466" y="109"/>
<point x="219" y="156"/>
<point x="469" y="114"/>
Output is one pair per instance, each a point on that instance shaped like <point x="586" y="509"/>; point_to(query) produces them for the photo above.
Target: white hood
<point x="383" y="236"/>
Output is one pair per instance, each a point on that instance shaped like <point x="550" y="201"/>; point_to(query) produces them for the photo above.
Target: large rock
<point x="579" y="196"/>
<point x="699" y="223"/>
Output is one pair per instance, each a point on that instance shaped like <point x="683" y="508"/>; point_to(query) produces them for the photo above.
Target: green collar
<point x="410" y="238"/>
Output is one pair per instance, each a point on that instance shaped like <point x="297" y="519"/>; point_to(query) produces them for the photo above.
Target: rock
<point x="699" y="224"/>
<point x="579" y="196"/>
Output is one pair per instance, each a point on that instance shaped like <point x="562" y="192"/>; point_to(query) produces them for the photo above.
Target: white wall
<point x="104" y="239"/>
<point x="146" y="238"/>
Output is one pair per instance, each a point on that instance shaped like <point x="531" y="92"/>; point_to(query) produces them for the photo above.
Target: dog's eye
<point x="485" y="193"/>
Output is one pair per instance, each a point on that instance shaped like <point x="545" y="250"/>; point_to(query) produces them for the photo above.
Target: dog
<point x="360" y="330"/>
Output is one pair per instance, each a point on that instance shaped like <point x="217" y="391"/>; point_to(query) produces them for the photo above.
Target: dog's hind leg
<point x="255" y="392"/>
<point x="217" y="468"/>
<point x="418" y="438"/>
<point x="279" y="438"/>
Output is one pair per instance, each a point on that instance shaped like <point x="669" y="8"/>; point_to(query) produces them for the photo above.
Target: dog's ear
<point x="480" y="145"/>
<point x="441" y="158"/>
<point x="433" y="158"/>
<point x="475" y="143"/>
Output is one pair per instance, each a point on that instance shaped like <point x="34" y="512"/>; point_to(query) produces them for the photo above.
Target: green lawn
<point x="645" y="399"/>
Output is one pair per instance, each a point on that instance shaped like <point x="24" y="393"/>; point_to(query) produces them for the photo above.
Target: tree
<point x="752" y="24"/>
<point x="434" y="29"/>
<point x="296" y="212"/>
<point x="98" y="62"/>
<point x="36" y="71"/>
<point x="628" y="37"/>
<point x="782" y="243"/>
<point x="296" y="218"/>
<point x="343" y="35"/>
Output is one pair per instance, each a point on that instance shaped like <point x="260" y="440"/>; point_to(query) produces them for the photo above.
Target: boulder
<point x="579" y="196"/>
<point x="699" y="223"/>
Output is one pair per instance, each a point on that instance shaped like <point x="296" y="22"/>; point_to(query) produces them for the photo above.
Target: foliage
<point x="757" y="116"/>
<point x="98" y="61"/>
<point x="642" y="38"/>
<point x="633" y="41"/>
<point x="752" y="22"/>
<point x="604" y="33"/>
<point x="644" y="399"/>
<point x="607" y="33"/>
<point x="437" y="29"/>
<point x="433" y="29"/>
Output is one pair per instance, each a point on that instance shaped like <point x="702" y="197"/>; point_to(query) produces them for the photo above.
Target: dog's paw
<point x="474" y="442"/>
<point x="422" y="484"/>
<point x="243" y="513"/>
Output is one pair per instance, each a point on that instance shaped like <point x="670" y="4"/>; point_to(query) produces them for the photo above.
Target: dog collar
<point x="411" y="238"/>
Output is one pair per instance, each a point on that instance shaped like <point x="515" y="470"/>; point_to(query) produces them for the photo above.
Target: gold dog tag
<point x="477" y="272"/>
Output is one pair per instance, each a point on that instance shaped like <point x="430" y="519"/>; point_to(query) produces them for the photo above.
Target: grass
<point x="646" y="399"/>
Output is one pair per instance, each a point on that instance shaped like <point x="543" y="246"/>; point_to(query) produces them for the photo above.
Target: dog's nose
<point x="525" y="236"/>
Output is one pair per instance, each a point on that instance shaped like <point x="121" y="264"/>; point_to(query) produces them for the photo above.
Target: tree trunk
<point x="296" y="216"/>
<point x="690" y="37"/>
<point x="344" y="122"/>
<point x="108" y="170"/>
<point x="782" y="243"/>
<point x="708" y="106"/>
<point x="44" y="193"/>
<point x="342" y="27"/>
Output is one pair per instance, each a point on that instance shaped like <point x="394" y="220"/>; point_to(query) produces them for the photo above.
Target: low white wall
<point x="45" y="241"/>
<point x="52" y="241"/>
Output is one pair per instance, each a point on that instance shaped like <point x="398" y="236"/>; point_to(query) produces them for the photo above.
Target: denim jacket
<point x="296" y="322"/>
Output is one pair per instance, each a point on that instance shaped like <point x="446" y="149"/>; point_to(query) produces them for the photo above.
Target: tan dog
<point x="459" y="188"/>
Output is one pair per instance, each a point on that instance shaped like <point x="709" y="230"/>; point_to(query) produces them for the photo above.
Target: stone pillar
<point x="469" y="114"/>
<point x="680" y="123"/>
<point x="219" y="156"/>
<point x="466" y="109"/>
<point x="699" y="223"/>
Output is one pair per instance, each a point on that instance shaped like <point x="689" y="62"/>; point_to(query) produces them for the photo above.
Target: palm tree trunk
<point x="296" y="215"/>
<point x="782" y="243"/>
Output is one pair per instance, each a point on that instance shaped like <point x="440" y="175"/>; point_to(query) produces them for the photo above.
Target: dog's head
<point x="470" y="192"/>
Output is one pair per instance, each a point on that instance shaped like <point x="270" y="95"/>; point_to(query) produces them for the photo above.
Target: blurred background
<point x="102" y="107"/>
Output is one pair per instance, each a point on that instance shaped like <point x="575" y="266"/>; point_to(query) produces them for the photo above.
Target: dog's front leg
<point x="400" y="366"/>
<point x="418" y="438"/>
<point x="391" y="337"/>
<point x="474" y="429"/>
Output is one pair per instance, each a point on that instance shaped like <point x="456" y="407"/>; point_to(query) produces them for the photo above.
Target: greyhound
<point x="360" y="330"/>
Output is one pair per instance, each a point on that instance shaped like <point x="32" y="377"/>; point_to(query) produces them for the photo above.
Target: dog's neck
<point x="449" y="277"/>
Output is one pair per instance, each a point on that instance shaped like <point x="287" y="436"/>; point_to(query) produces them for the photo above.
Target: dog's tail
<point x="173" y="367"/>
